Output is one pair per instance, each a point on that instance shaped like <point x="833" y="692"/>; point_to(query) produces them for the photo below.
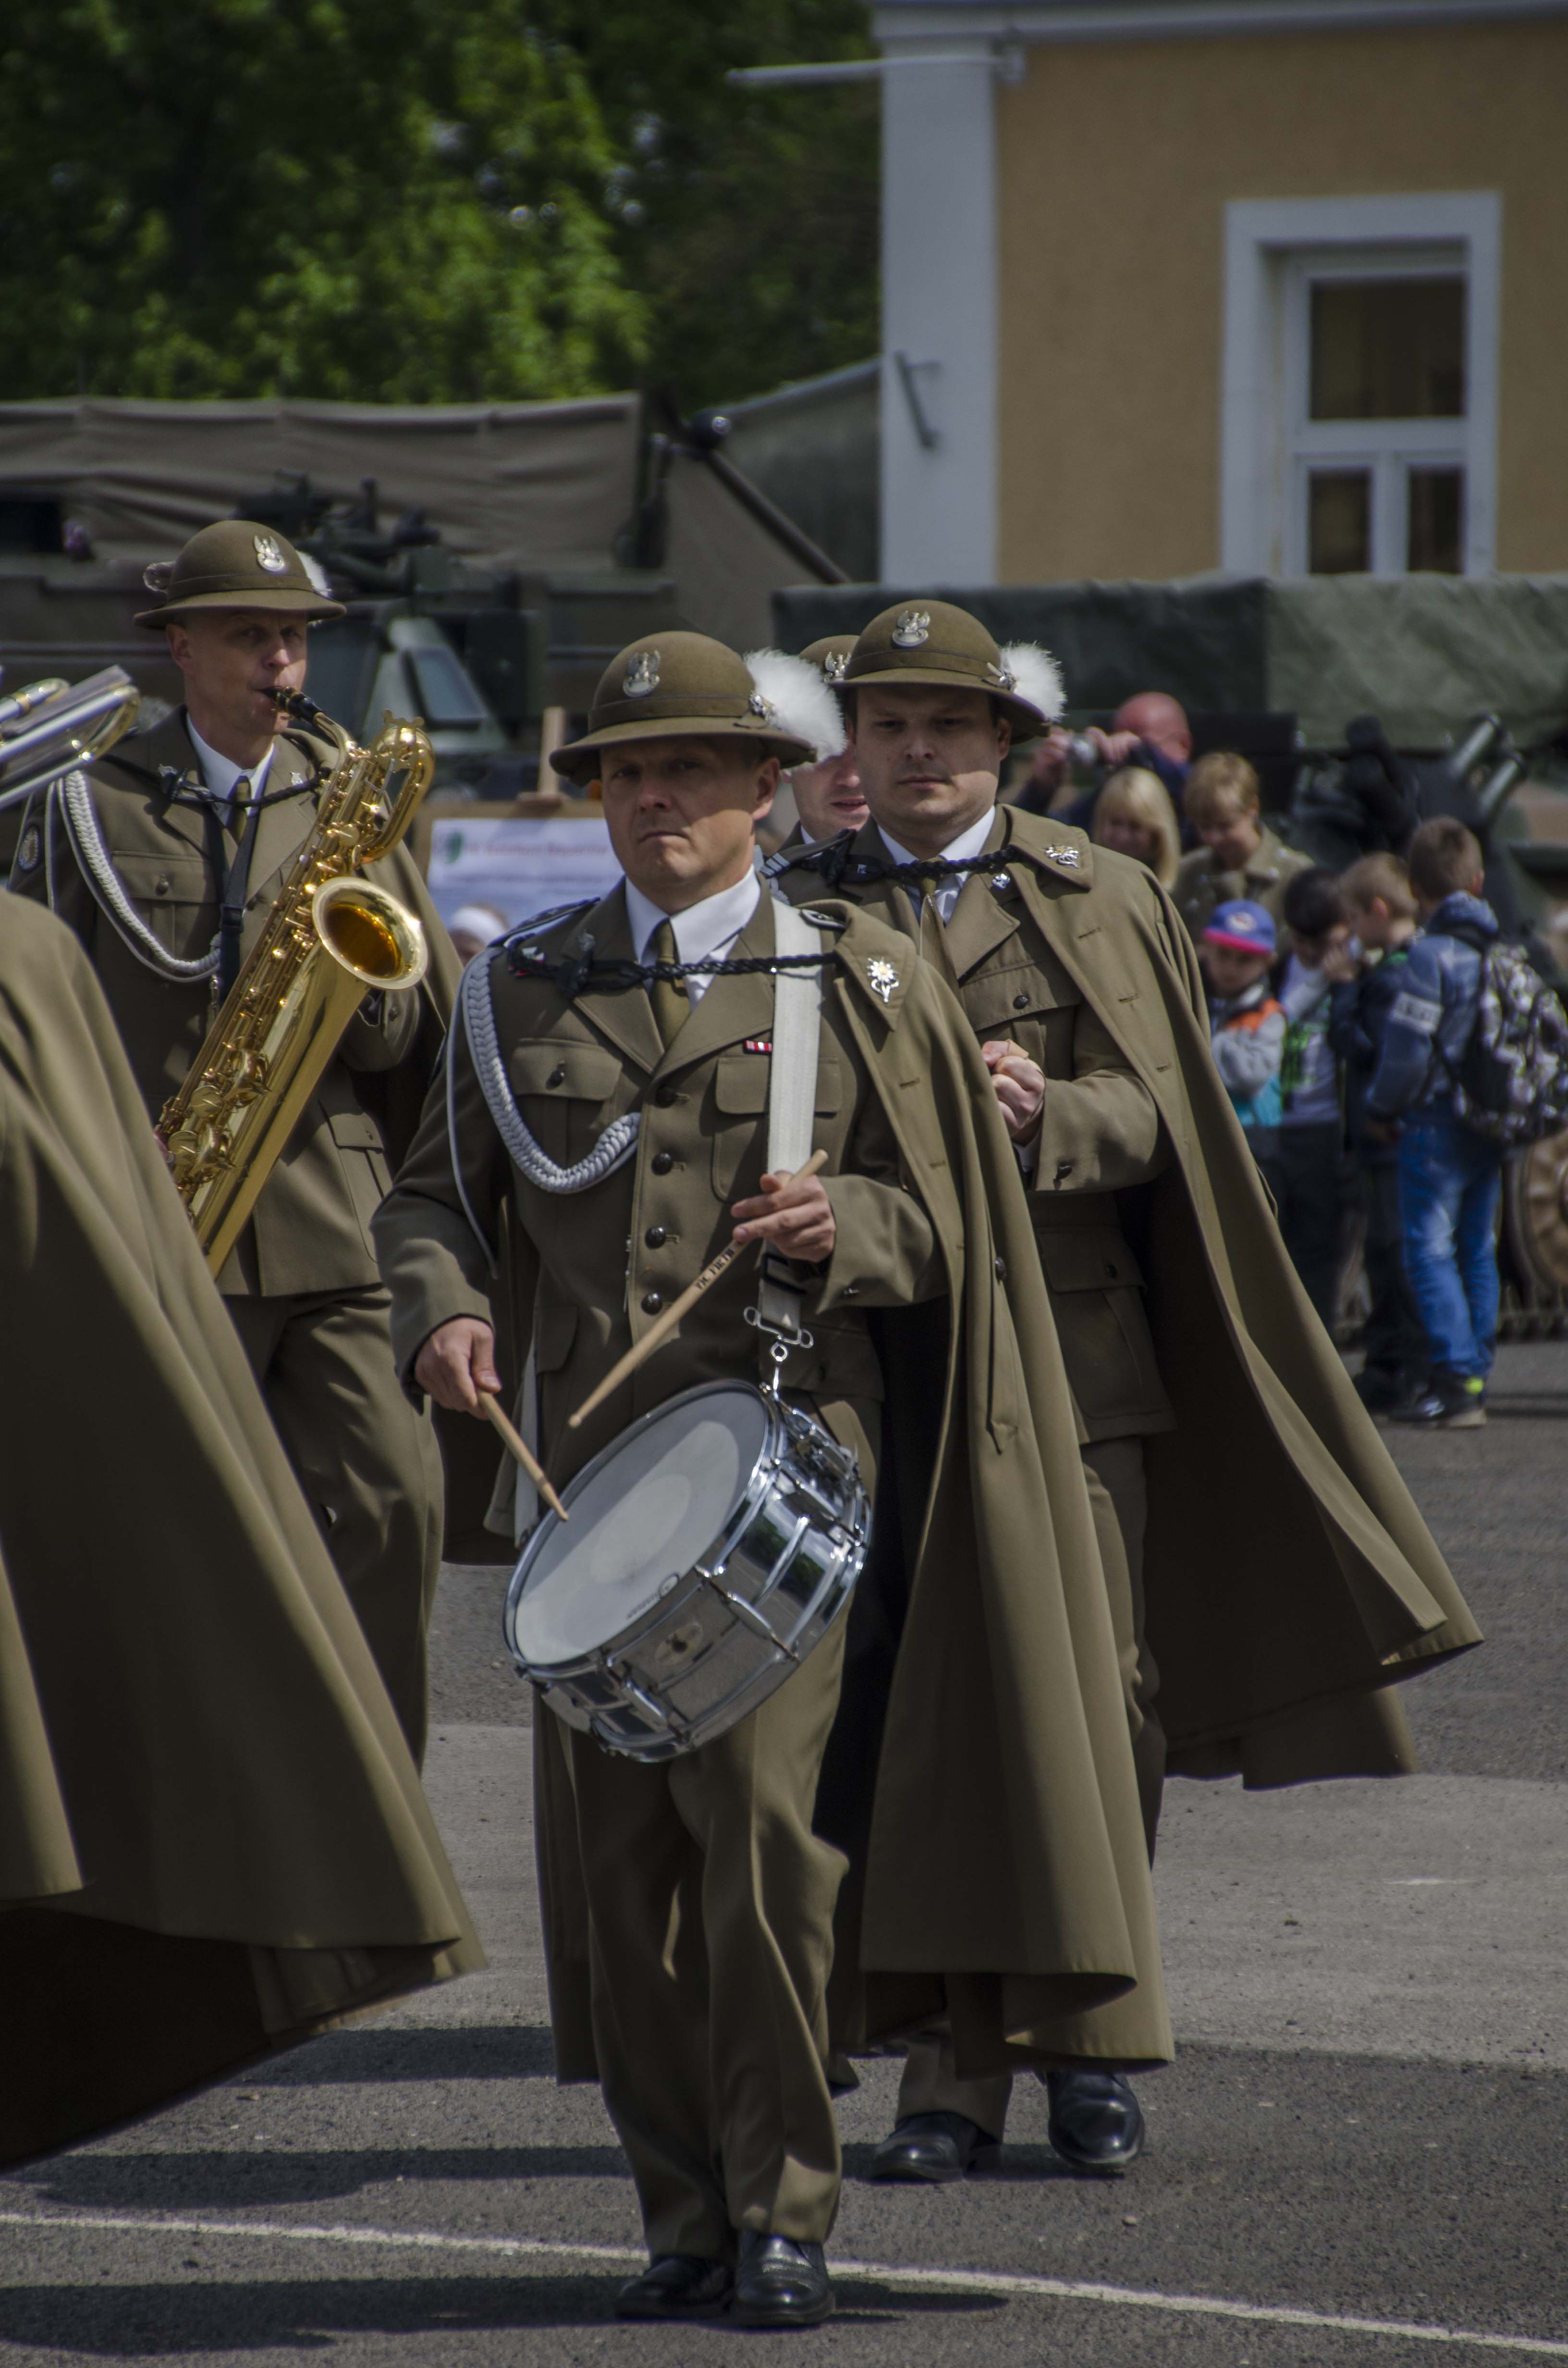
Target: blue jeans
<point x="1450" y="1181"/>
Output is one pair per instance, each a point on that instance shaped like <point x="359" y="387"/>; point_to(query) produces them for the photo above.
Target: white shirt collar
<point x="968" y="842"/>
<point x="701" y="930"/>
<point x="221" y="773"/>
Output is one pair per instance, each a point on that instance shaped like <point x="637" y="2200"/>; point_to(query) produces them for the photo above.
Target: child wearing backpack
<point x="1450" y="1174"/>
<point x="1380" y="908"/>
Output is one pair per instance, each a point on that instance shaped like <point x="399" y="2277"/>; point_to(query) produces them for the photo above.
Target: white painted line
<point x="996" y="2281"/>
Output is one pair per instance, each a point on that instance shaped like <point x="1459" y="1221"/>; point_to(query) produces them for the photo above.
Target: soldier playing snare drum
<point x="611" y="1101"/>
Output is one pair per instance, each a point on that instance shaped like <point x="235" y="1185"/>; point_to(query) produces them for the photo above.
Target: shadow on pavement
<point x="1019" y="2166"/>
<point x="485" y="2052"/>
<point x="186" y="2180"/>
<point x="231" y="2316"/>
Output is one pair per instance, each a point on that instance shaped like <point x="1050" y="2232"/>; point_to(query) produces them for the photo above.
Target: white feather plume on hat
<point x="1036" y="677"/>
<point x="802" y="701"/>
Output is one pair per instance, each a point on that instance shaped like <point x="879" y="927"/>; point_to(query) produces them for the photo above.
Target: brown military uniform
<point x="1100" y="1139"/>
<point x="302" y="1284"/>
<point x="710" y="2046"/>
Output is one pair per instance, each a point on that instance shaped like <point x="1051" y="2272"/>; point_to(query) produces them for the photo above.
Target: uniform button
<point x="652" y="1302"/>
<point x="557" y="1076"/>
<point x="662" y="1162"/>
<point x="655" y="1237"/>
<point x="664" y="1096"/>
<point x="1020" y="1003"/>
<point x="1001" y="1266"/>
<point x="163" y="883"/>
<point x="1110" y="1268"/>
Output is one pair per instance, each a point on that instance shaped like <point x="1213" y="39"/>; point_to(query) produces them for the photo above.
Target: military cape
<point x="212" y="1839"/>
<point x="1001" y="1876"/>
<point x="1289" y="1574"/>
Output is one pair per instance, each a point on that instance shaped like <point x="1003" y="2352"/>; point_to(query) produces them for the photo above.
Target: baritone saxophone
<point x="331" y="937"/>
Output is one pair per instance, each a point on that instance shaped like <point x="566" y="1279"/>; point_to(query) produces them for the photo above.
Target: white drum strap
<point x="525" y="1501"/>
<point x="791" y="1096"/>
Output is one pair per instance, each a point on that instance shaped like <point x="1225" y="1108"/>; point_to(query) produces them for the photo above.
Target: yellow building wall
<point x="1116" y="162"/>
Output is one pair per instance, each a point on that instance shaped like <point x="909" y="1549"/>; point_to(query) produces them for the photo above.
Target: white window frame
<point x="1273" y="249"/>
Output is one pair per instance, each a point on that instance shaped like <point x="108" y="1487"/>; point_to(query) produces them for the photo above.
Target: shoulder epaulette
<point x="828" y="856"/>
<point x="537" y="923"/>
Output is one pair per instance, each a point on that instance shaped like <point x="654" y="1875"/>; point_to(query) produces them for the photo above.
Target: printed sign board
<point x="519" y="867"/>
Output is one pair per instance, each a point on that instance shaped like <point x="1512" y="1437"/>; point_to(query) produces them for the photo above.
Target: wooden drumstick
<point x="519" y="1447"/>
<point x="658" y="1333"/>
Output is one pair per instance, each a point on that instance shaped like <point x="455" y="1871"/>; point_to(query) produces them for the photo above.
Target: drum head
<point x="641" y="1514"/>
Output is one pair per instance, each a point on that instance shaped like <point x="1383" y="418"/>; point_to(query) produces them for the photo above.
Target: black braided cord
<point x="831" y="861"/>
<point x="575" y="974"/>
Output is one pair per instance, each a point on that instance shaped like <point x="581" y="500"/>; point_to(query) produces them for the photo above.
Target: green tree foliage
<point x="750" y="219"/>
<point x="402" y="201"/>
<point x="429" y="201"/>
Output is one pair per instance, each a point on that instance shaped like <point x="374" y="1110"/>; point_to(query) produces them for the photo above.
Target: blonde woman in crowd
<point x="1134" y="815"/>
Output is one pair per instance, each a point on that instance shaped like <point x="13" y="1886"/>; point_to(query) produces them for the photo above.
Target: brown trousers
<point x="710" y="1931"/>
<point x="368" y="1465"/>
<point x="1114" y="1468"/>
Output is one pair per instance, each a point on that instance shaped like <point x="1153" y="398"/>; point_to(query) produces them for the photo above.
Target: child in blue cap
<point x="1246" y="1026"/>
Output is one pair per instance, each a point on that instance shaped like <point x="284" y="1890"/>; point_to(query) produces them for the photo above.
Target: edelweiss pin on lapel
<point x="881" y="977"/>
<point x="1067" y="855"/>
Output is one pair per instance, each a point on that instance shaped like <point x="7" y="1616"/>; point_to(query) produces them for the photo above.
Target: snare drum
<point x="710" y="1548"/>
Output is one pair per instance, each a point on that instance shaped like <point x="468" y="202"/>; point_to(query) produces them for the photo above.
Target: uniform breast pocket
<point x="358" y="1135"/>
<point x="566" y="1094"/>
<point x="740" y="1113"/>
<point x="1097" y="1297"/>
<point x="1035" y="1007"/>
<point x="173" y="893"/>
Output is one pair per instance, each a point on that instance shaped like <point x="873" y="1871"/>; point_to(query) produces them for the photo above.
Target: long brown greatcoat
<point x="212" y="1841"/>
<point x="1005" y="1874"/>
<point x="311" y="1229"/>
<point x="1287" y="1569"/>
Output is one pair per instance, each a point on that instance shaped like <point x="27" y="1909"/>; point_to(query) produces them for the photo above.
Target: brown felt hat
<point x="669" y="686"/>
<point x="830" y="656"/>
<point x="933" y="642"/>
<point x="234" y="564"/>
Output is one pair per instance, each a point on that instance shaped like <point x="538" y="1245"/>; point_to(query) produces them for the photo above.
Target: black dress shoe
<point x="780" y="2283"/>
<point x="1097" y="2123"/>
<point x="677" y="2286"/>
<point x="935" y="2146"/>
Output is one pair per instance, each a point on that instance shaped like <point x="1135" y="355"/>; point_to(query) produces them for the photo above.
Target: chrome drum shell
<point x="725" y="1633"/>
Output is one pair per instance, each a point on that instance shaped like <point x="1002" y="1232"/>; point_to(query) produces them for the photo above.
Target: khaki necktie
<point x="934" y="938"/>
<point x="672" y="1007"/>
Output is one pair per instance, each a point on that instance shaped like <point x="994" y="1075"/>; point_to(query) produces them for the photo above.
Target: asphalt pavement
<point x="1359" y="2159"/>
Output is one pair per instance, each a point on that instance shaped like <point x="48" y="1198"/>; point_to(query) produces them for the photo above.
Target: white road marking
<point x="996" y="2281"/>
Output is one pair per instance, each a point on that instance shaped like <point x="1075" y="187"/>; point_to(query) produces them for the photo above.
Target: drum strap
<point x="791" y="1098"/>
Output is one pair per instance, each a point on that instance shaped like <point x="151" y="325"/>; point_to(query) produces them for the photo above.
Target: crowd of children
<point x="1340" y="1008"/>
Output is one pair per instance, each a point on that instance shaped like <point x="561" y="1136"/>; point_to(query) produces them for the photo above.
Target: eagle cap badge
<point x="833" y="667"/>
<point x="642" y="675"/>
<point x="268" y="554"/>
<point x="881" y="977"/>
<point x="913" y="628"/>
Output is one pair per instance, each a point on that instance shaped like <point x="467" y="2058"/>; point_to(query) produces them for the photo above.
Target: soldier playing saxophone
<point x="165" y="857"/>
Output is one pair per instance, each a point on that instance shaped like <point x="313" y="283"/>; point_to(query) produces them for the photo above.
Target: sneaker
<point x="1382" y="1392"/>
<point x="1449" y="1402"/>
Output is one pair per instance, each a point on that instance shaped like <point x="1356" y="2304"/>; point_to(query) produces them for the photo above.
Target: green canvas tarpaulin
<point x="1425" y="653"/>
